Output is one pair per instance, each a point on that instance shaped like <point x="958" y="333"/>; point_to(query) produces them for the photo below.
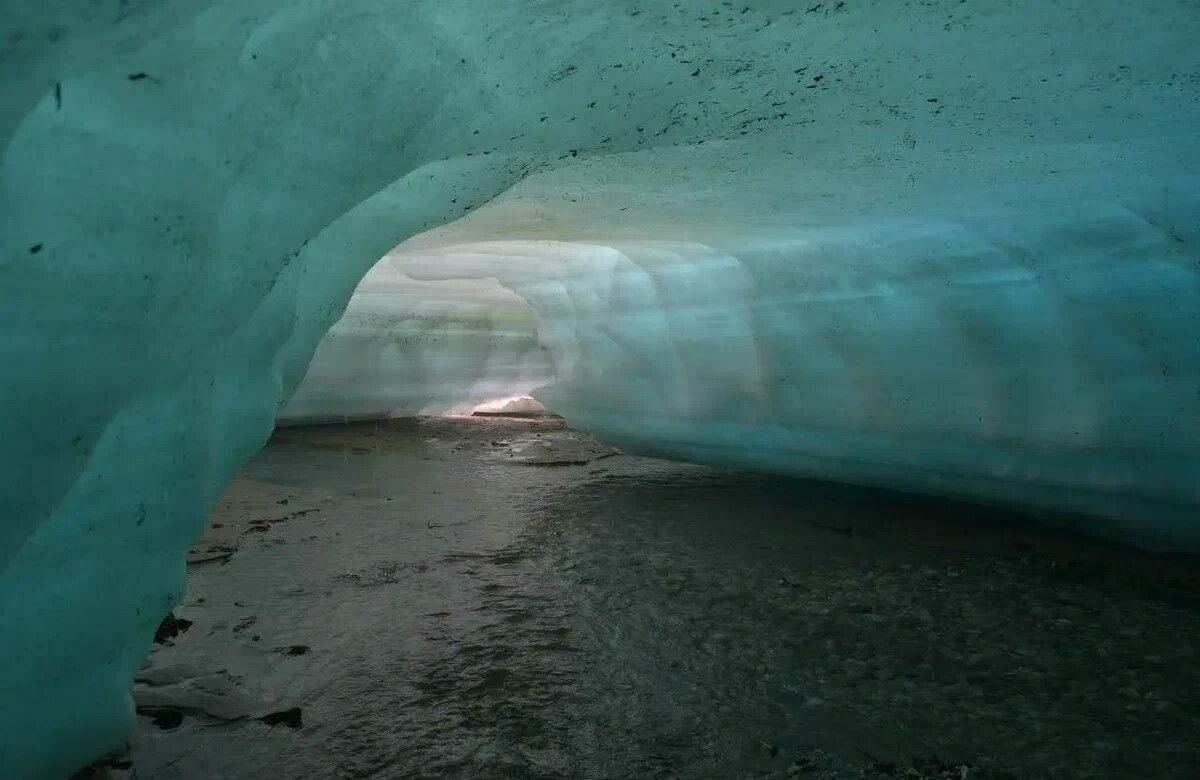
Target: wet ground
<point x="506" y="599"/>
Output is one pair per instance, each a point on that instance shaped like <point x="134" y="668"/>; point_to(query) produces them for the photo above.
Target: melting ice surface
<point x="931" y="246"/>
<point x="995" y="348"/>
<point x="997" y="381"/>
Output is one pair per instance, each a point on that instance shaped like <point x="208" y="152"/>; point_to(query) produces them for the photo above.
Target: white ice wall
<point x="190" y="191"/>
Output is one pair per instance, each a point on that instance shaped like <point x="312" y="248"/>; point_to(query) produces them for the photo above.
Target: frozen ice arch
<point x="935" y="246"/>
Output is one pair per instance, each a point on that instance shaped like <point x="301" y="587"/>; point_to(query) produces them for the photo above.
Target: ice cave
<point x="948" y="248"/>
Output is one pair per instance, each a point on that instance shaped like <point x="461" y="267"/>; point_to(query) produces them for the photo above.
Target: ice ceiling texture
<point x="937" y="245"/>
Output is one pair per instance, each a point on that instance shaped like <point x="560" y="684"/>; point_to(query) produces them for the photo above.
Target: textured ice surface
<point x="1005" y="375"/>
<point x="1026" y="339"/>
<point x="964" y="236"/>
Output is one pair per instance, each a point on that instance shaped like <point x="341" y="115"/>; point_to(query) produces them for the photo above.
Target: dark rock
<point x="290" y="718"/>
<point x="170" y="628"/>
<point x="101" y="770"/>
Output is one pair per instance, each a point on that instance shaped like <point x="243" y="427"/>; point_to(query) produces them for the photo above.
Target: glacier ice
<point x="1032" y="342"/>
<point x="933" y="246"/>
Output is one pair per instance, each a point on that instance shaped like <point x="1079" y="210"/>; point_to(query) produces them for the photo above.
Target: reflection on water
<point x="473" y="616"/>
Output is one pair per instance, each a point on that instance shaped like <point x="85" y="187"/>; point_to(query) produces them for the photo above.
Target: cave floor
<point x="493" y="598"/>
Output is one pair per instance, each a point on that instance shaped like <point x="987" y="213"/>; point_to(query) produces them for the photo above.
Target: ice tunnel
<point x="944" y="247"/>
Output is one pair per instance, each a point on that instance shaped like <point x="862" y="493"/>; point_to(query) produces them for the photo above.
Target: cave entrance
<point x="408" y="347"/>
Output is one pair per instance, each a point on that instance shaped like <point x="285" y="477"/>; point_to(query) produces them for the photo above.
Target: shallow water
<point x="471" y="615"/>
